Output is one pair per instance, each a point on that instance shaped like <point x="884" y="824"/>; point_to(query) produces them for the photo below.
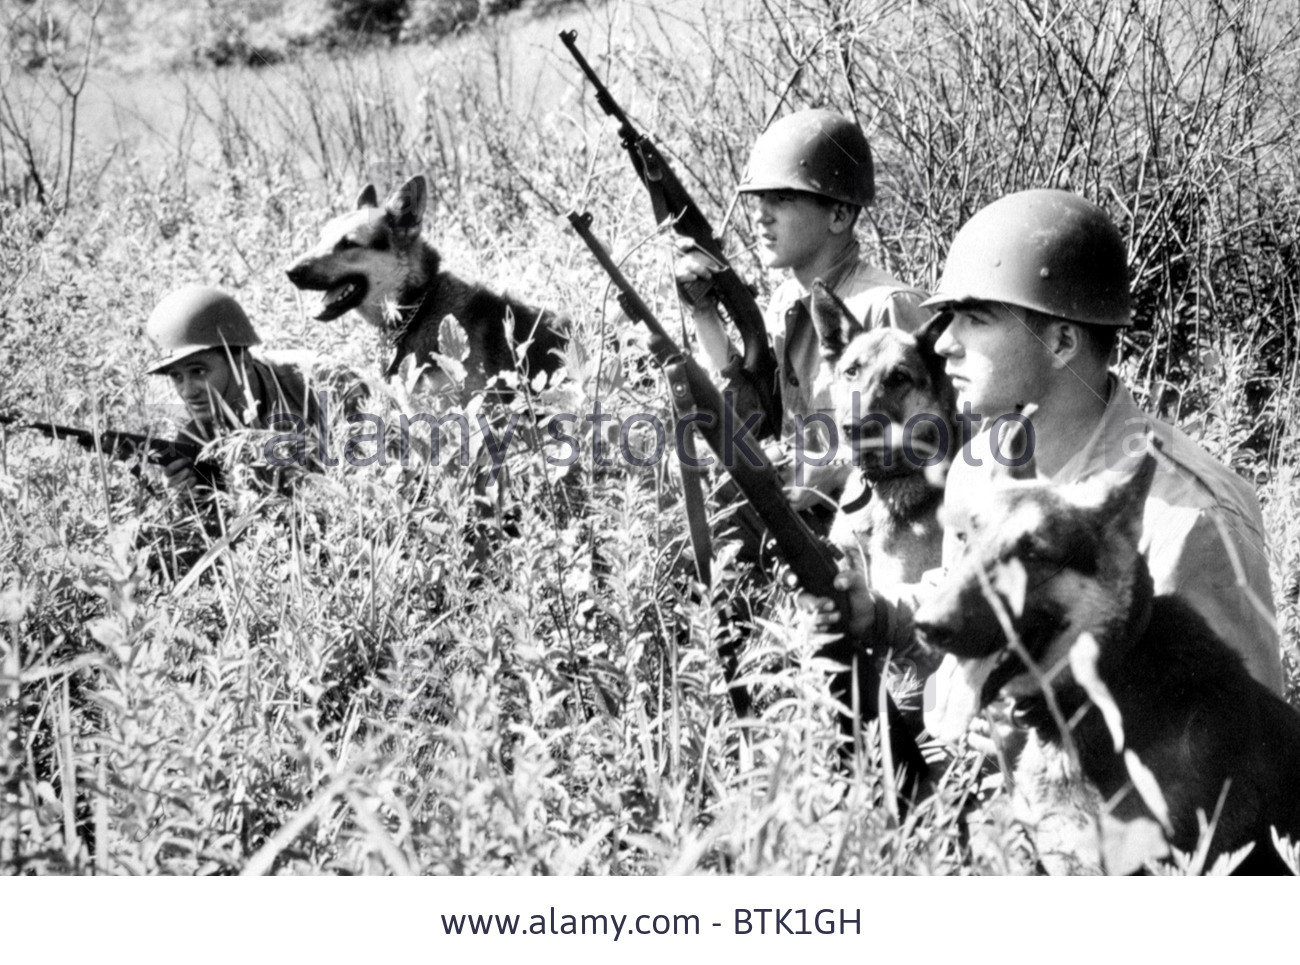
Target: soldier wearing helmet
<point x="204" y="337"/>
<point x="1035" y="289"/>
<point x="809" y="176"/>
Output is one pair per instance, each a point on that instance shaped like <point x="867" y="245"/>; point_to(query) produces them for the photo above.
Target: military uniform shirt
<point x="875" y="298"/>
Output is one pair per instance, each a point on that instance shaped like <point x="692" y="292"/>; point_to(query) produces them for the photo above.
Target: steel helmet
<point x="818" y="151"/>
<point x="195" y="318"/>
<point x="1051" y="251"/>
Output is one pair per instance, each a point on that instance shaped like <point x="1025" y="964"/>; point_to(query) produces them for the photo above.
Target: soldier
<point x="810" y="175"/>
<point x="205" y="339"/>
<point x="1036" y="290"/>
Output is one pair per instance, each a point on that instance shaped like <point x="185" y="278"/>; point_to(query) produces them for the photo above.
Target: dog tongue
<point x="952" y="696"/>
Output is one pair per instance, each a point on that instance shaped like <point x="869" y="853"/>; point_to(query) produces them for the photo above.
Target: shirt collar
<point x="839" y="271"/>
<point x="1108" y="437"/>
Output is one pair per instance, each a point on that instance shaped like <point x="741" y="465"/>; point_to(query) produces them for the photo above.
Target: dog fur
<point x="374" y="261"/>
<point x="888" y="519"/>
<point x="1164" y="716"/>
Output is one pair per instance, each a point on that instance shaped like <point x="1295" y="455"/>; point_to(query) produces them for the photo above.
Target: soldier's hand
<point x="819" y="485"/>
<point x="829" y="478"/>
<point x="826" y="615"/>
<point x="693" y="267"/>
<point x="179" y="475"/>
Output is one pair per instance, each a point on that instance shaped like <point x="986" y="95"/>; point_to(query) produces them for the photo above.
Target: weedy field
<point x="357" y="677"/>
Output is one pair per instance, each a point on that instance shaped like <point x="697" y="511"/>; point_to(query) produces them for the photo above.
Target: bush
<point x="359" y="18"/>
<point x="431" y="19"/>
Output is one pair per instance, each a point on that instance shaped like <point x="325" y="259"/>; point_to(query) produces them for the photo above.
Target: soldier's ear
<point x="834" y="323"/>
<point x="1066" y="342"/>
<point x="368" y="198"/>
<point x="843" y="217"/>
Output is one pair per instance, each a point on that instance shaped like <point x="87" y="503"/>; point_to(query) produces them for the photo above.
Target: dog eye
<point x="897" y="378"/>
<point x="1030" y="551"/>
<point x="851" y="371"/>
<point x="344" y="244"/>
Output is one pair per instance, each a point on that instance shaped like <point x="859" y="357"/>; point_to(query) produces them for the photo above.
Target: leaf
<point x="453" y="343"/>
<point x="108" y="633"/>
<point x="1289" y="850"/>
<point x="1149" y="788"/>
<point x="452" y="367"/>
<point x="15" y="602"/>
<point x="1228" y="862"/>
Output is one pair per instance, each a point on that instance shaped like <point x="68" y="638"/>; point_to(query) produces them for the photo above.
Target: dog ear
<point x="930" y="331"/>
<point x="368" y="198"/>
<point x="1117" y="498"/>
<point x="406" y="205"/>
<point x="834" y="323"/>
<point x="927" y="336"/>
<point x="1125" y="502"/>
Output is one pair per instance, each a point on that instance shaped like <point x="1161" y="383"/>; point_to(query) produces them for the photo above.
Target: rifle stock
<point x="672" y="202"/>
<point x="811" y="559"/>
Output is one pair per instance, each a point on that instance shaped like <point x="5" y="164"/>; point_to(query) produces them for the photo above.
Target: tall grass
<point x="370" y="674"/>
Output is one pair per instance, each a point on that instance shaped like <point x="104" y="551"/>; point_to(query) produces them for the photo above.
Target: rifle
<point x="811" y="559"/>
<point x="124" y="446"/>
<point x="755" y="375"/>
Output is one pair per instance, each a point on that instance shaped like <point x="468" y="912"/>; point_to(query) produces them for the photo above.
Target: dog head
<point x="366" y="259"/>
<point x="890" y="393"/>
<point x="1042" y="562"/>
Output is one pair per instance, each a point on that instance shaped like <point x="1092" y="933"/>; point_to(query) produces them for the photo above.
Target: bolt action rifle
<point x="753" y="376"/>
<point x="812" y="560"/>
<point x="124" y="446"/>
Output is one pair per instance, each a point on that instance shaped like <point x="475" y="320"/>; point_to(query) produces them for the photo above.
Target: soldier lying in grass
<point x="205" y="339"/>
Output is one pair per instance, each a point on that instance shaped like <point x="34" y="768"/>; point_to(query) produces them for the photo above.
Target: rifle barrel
<point x="672" y="202"/>
<point x="632" y="302"/>
<point x="117" y="444"/>
<point x="603" y="97"/>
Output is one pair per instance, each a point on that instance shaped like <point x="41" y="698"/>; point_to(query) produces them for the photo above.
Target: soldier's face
<point x="793" y="228"/>
<point x="997" y="361"/>
<point x="203" y="381"/>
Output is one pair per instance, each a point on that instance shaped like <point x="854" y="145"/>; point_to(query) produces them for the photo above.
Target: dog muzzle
<point x="954" y="695"/>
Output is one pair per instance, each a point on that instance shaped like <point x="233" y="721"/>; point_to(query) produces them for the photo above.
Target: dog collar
<point x="400" y="335"/>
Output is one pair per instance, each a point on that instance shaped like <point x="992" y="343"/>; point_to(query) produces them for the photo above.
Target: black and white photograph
<point x="563" y="439"/>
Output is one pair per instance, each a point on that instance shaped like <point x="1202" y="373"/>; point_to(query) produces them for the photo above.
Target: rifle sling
<point x="697" y="513"/>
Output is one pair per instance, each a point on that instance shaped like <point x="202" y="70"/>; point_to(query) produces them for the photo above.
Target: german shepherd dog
<point x="1164" y="721"/>
<point x="893" y="399"/>
<point x="374" y="261"/>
